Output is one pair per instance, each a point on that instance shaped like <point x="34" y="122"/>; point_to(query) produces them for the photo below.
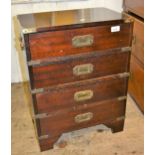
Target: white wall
<point x="16" y="75"/>
<point x="114" y="4"/>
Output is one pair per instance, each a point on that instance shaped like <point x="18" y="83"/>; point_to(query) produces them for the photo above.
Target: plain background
<point x="5" y="78"/>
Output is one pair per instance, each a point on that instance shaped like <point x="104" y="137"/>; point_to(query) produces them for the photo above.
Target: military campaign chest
<point x="78" y="64"/>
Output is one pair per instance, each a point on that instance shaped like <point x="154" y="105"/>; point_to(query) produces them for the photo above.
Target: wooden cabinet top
<point x="135" y="6"/>
<point x="37" y="22"/>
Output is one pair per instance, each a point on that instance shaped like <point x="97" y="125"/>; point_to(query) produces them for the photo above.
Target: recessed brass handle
<point x="83" y="41"/>
<point x="83" y="117"/>
<point x="83" y="95"/>
<point x="83" y="69"/>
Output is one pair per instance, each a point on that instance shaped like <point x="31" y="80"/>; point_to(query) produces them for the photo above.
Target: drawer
<point x="136" y="82"/>
<point x="138" y="37"/>
<point x="138" y="42"/>
<point x="80" y="40"/>
<point x="85" y="92"/>
<point x="79" y="67"/>
<point x="80" y="117"/>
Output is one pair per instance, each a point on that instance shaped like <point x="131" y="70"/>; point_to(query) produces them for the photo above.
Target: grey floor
<point x="128" y="142"/>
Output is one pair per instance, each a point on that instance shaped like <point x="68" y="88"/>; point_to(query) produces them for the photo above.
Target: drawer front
<point x="67" y="42"/>
<point x="80" y="93"/>
<point x="80" y="68"/>
<point x="81" y="117"/>
<point x="138" y="37"/>
<point x="136" y="83"/>
<point x="138" y="42"/>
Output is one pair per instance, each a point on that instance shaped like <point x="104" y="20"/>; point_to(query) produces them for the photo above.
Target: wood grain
<point x="64" y="120"/>
<point x="59" y="43"/>
<point x="102" y="89"/>
<point x="62" y="71"/>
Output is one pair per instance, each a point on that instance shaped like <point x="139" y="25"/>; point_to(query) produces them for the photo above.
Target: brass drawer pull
<point x="83" y="69"/>
<point x="83" y="95"/>
<point x="83" y="117"/>
<point x="82" y="41"/>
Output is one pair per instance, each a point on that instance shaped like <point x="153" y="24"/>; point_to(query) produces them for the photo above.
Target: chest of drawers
<point x="78" y="64"/>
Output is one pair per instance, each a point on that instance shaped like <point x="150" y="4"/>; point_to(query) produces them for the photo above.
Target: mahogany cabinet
<point x="134" y="10"/>
<point x="78" y="63"/>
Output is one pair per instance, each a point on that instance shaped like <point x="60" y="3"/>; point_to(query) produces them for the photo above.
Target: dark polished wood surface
<point x="43" y="75"/>
<point x="71" y="17"/>
<point x="59" y="43"/>
<point x="102" y="88"/>
<point x="64" y="120"/>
